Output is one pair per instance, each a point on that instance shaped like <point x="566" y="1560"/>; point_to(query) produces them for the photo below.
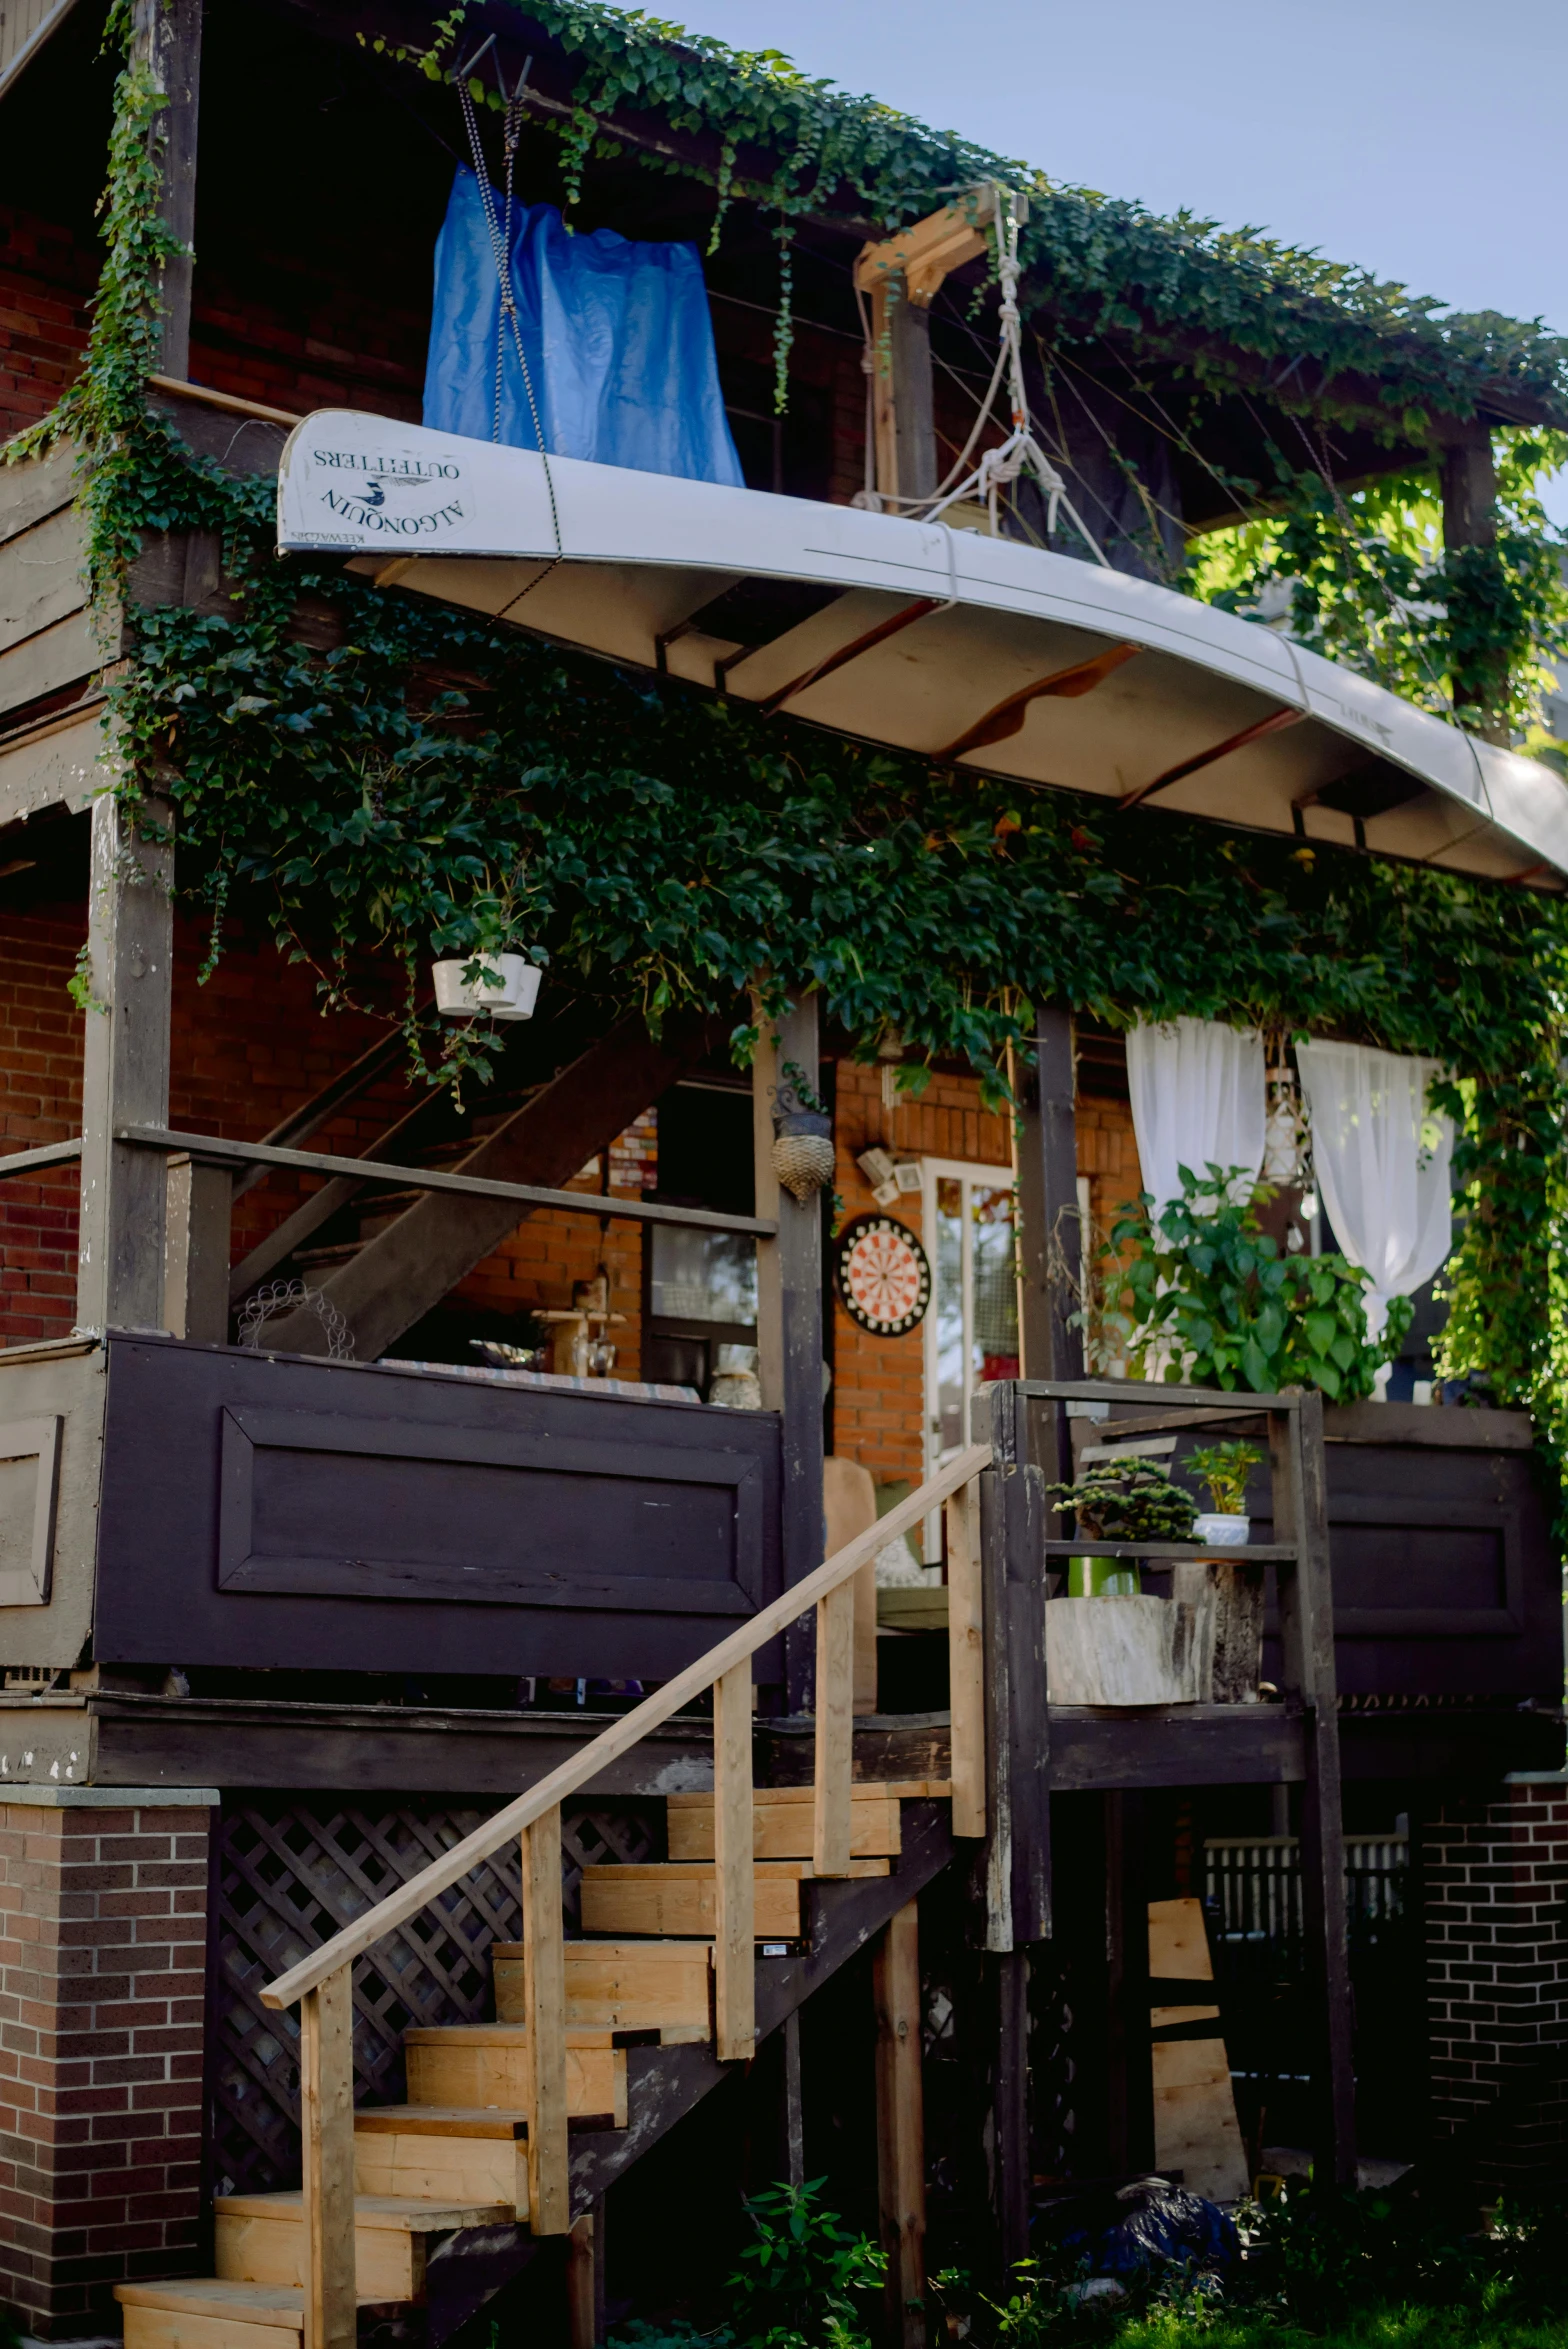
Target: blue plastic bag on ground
<point x="618" y="339"/>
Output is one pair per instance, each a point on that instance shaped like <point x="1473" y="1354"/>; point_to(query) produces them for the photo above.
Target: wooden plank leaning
<point x="621" y="1735"/>
<point x="734" y="1946"/>
<point x="966" y="1661"/>
<point x="326" y="2096"/>
<point x="544" y="2001"/>
<point x="835" y="1749"/>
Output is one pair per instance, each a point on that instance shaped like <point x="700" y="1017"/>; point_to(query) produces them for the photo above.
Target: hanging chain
<point x="510" y="321"/>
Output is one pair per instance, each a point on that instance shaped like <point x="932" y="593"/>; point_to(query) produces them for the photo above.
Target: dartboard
<point x="883" y="1275"/>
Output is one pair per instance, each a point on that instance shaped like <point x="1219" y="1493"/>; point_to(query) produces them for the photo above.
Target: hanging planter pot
<point x="513" y="999"/>
<point x="802" y="1140"/>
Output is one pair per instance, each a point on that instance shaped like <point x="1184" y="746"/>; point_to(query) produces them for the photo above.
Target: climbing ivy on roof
<point x="390" y="779"/>
<point x="1236" y="307"/>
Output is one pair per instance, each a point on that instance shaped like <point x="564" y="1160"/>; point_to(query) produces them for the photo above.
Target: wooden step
<point x="484" y="2067"/>
<point x="783" y="1830"/>
<point x="663" y="1986"/>
<point x="200" y="2312"/>
<point x="676" y="1897"/>
<point x="441" y="2153"/>
<point x="260" y="2239"/>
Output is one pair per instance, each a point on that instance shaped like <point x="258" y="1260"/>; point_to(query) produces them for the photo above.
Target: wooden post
<point x="902" y="409"/>
<point x="1306" y="1610"/>
<point x="326" y="2101"/>
<point x="544" y="2000"/>
<point x="585" y="2278"/>
<point x="199" y="1203"/>
<point x="966" y="1661"/>
<point x="789" y="1327"/>
<point x="1017" y="1719"/>
<point x="1050" y="1238"/>
<point x="125" y="1067"/>
<point x="1009" y="2130"/>
<point x="734" y="1838"/>
<point x="166" y="42"/>
<point x="1129" y="2051"/>
<point x="794" y="2103"/>
<point x="835" y="1735"/>
<point x="901" y="2179"/>
<point x="1469" y="487"/>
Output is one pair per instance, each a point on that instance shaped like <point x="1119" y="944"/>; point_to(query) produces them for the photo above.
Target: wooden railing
<point x="322" y="1983"/>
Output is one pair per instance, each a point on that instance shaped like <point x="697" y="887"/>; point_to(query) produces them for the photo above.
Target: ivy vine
<point x="394" y="780"/>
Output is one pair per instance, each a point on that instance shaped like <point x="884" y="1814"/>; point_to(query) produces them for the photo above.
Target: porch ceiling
<point x="998" y="658"/>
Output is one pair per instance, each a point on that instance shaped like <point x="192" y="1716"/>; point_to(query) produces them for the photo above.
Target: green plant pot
<point x="1103" y="1578"/>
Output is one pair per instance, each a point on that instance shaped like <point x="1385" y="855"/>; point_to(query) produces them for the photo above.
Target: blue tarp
<point x="618" y="337"/>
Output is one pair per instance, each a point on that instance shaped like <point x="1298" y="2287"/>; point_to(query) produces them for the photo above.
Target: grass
<point x="1410" y="2327"/>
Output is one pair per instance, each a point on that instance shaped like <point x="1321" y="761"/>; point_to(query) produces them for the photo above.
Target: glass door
<point x="971" y="1326"/>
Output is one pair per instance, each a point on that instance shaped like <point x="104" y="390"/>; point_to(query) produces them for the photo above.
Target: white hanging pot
<point x="514" y="999"/>
<point x="1221" y="1532"/>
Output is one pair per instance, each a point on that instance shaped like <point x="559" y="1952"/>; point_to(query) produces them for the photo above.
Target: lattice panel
<point x="292" y="1873"/>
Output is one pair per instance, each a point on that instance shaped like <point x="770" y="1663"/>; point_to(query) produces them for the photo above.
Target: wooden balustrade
<point x="322" y="1983"/>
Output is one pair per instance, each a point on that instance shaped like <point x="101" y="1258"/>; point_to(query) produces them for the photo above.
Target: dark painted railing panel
<point x="266" y="1512"/>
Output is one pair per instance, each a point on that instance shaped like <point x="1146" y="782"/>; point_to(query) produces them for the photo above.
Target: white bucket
<point x="514" y="999"/>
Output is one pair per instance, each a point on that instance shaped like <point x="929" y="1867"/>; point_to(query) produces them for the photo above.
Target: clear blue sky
<point x="1423" y="139"/>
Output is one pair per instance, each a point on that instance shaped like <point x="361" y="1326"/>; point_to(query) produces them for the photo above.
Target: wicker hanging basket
<point x="803" y="1153"/>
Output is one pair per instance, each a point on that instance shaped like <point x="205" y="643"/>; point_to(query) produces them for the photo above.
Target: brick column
<point x="103" y="1924"/>
<point x="1496" y="1872"/>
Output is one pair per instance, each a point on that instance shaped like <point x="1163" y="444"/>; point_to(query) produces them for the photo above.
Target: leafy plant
<point x="803" y="2282"/>
<point x="1127" y="1501"/>
<point x="1205" y="1297"/>
<point x="1224" y="1469"/>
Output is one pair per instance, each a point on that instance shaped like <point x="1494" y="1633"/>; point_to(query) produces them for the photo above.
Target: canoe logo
<point x="389" y="495"/>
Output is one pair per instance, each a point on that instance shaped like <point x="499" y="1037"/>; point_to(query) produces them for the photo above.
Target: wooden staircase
<point x="602" y="2040"/>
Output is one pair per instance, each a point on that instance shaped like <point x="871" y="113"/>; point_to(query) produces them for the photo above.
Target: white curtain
<point x="1382" y="1162"/>
<point x="1197" y="1101"/>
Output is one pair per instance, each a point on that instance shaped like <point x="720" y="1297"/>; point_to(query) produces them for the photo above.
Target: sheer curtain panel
<point x="1197" y="1101"/>
<point x="1382" y="1160"/>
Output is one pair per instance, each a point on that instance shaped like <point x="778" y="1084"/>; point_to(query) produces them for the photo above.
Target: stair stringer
<point x="664" y="2083"/>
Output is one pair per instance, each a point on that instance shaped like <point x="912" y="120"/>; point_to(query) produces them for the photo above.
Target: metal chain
<point x="501" y="250"/>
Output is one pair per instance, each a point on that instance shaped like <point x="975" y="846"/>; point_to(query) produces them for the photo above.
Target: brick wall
<point x="1496" y="1877"/>
<point x="102" y="1971"/>
<point x="46" y="276"/>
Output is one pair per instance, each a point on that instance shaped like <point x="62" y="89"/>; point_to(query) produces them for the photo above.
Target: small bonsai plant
<point x="1224" y="1469"/>
<point x="1128" y="1500"/>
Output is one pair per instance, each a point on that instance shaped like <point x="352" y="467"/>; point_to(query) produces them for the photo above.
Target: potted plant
<point x="1126" y="1500"/>
<point x="506" y="986"/>
<point x="1224" y="1469"/>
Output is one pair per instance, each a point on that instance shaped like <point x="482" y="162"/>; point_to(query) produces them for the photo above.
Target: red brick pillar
<point x="103" y="1934"/>
<point x="1496" y="1875"/>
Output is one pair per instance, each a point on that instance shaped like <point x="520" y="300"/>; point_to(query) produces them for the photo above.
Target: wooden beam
<point x="789" y="1324"/>
<point x="125" y="1064"/>
<point x="1007" y="717"/>
<point x="734" y="1951"/>
<point x="166" y="42"/>
<point x="901" y="2161"/>
<point x="1008" y="2133"/>
<point x="835" y="1732"/>
<point x="1274" y="723"/>
<point x="326" y="2092"/>
<point x="544" y="2000"/>
<point x="199" y="1202"/>
<point x="966" y="1662"/>
<point x="1017" y="1720"/>
<point x="920" y="257"/>
<point x="1306" y="1610"/>
<point x="403" y="1272"/>
<point x="1050" y="1242"/>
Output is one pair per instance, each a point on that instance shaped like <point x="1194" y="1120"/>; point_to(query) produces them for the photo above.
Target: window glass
<point x="995" y="1278"/>
<point x="703" y="1276"/>
<point x="948" y="1308"/>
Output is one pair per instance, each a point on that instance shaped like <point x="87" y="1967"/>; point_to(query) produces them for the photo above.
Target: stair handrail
<point x="323" y="1982"/>
<point x="622" y="1734"/>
